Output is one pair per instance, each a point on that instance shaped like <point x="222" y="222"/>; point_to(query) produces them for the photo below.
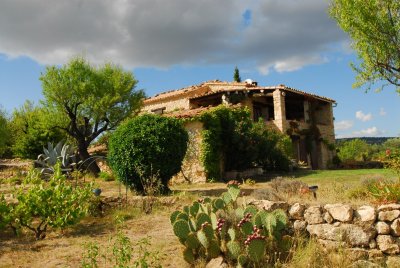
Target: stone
<point x="372" y="243"/>
<point x="352" y="234"/>
<point x="387" y="244"/>
<point x="313" y="215"/>
<point x="296" y="211"/>
<point x="395" y="227"/>
<point x="375" y="253"/>
<point x="356" y="253"/>
<point x="270" y="205"/>
<point x="382" y="227"/>
<point x="340" y="212"/>
<point x="330" y="245"/>
<point x="217" y="263"/>
<point x="366" y="214"/>
<point x="388" y="207"/>
<point x="389" y="215"/>
<point x="364" y="264"/>
<point x="299" y="226"/>
<point x="328" y="218"/>
<point x="393" y="262"/>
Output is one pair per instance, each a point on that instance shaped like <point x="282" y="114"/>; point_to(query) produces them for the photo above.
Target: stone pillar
<point x="279" y="109"/>
<point x="306" y="111"/>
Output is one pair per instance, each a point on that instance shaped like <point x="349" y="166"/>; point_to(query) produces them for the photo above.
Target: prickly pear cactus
<point x="181" y="229"/>
<point x="234" y="249"/>
<point x="256" y="250"/>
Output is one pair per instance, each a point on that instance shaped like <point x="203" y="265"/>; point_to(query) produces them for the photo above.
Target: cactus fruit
<point x="234" y="249"/>
<point x="202" y="218"/>
<point x="213" y="250"/>
<point x="256" y="249"/>
<point x="181" y="229"/>
<point x="173" y="216"/>
<point x="188" y="255"/>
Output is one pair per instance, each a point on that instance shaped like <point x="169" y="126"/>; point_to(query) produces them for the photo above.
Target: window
<point x="158" y="110"/>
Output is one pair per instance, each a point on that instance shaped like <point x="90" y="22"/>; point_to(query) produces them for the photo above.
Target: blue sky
<point x="177" y="43"/>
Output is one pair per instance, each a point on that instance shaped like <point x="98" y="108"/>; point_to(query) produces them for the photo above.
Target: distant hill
<point x="369" y="140"/>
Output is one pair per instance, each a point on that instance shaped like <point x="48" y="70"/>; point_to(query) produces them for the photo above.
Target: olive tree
<point x="374" y="27"/>
<point x="91" y="99"/>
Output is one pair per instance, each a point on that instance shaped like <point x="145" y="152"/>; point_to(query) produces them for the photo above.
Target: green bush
<point x="147" y="145"/>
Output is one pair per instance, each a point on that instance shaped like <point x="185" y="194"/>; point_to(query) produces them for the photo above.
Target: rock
<point x="366" y="214"/>
<point x="331" y="245"/>
<point x="217" y="263"/>
<point x="299" y="226"/>
<point x="382" y="227"/>
<point x="297" y="211"/>
<point x="328" y="218"/>
<point x="354" y="235"/>
<point x="387" y="244"/>
<point x="375" y="253"/>
<point x="372" y="243"/>
<point x="313" y="215"/>
<point x="270" y="205"/>
<point x="356" y="253"/>
<point x="389" y="215"/>
<point x="388" y="207"/>
<point x="393" y="262"/>
<point x="395" y="227"/>
<point x="340" y="212"/>
<point x="364" y="264"/>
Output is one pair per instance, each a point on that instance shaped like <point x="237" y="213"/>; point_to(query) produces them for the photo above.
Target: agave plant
<point x="63" y="153"/>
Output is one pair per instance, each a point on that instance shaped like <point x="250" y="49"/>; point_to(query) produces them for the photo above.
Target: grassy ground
<point x="64" y="249"/>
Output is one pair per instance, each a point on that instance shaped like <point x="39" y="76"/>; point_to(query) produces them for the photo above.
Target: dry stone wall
<point x="374" y="231"/>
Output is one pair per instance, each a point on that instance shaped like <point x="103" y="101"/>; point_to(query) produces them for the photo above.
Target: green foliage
<point x="55" y="203"/>
<point x="230" y="137"/>
<point x="236" y="75"/>
<point x="146" y="145"/>
<point x="92" y="100"/>
<point x="119" y="253"/>
<point x="5" y="134"/>
<point x="384" y="191"/>
<point x="354" y="150"/>
<point x="243" y="235"/>
<point x="374" y="26"/>
<point x="62" y="153"/>
<point x="31" y="130"/>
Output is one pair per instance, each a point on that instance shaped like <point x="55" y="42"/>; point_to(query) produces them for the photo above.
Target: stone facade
<point x="367" y="228"/>
<point x="282" y="108"/>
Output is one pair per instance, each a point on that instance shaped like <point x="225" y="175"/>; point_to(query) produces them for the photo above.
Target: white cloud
<point x="283" y="35"/>
<point x="369" y="132"/>
<point x="343" y="125"/>
<point x="382" y="112"/>
<point x="363" y="117"/>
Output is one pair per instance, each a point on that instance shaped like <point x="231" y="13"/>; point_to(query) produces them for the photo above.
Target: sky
<point x="177" y="43"/>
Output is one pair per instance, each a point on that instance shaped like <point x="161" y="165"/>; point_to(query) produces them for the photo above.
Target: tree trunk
<point x="88" y="162"/>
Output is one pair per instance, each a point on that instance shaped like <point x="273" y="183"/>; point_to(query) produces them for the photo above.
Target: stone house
<point x="306" y="117"/>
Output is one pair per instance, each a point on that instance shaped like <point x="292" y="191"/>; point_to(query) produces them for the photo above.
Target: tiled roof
<point x="205" y="89"/>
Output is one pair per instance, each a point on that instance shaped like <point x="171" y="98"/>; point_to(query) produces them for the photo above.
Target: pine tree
<point x="236" y="75"/>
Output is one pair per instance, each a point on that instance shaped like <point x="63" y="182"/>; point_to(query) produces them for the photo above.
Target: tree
<point x="374" y="26"/>
<point x="236" y="75"/>
<point x="92" y="99"/>
<point x="356" y="149"/>
<point x="4" y="132"/>
<point x="31" y="130"/>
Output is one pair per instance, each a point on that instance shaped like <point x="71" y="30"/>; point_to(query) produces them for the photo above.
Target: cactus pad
<point x="209" y="231"/>
<point x="256" y="249"/>
<point x="202" y="218"/>
<point x="234" y="192"/>
<point x="247" y="228"/>
<point x="202" y="237"/>
<point x="232" y="233"/>
<point x="188" y="256"/>
<point x="192" y="241"/>
<point x="242" y="260"/>
<point x="182" y="216"/>
<point x="234" y="249"/>
<point x="218" y="204"/>
<point x="239" y="212"/>
<point x="173" y="216"/>
<point x="251" y="209"/>
<point x="213" y="250"/>
<point x="181" y="229"/>
<point x="226" y="197"/>
<point x="193" y="209"/>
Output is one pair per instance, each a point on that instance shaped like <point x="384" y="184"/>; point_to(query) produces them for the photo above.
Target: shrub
<point x="149" y="143"/>
<point x="55" y="203"/>
<point x="244" y="235"/>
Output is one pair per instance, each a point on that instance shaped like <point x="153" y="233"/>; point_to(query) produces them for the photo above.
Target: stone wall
<point x="368" y="230"/>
